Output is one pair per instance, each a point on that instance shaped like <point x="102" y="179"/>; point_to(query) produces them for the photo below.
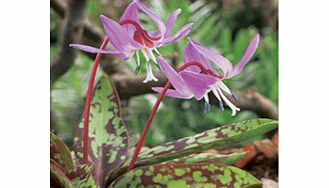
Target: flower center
<point x="141" y="36"/>
<point x="203" y="69"/>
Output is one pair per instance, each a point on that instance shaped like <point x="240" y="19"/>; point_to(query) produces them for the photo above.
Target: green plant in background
<point x="174" y="164"/>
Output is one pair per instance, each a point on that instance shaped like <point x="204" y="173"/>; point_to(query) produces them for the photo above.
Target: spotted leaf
<point x="222" y="137"/>
<point x="83" y="176"/>
<point x="60" y="153"/>
<point x="229" y="159"/>
<point x="58" y="177"/>
<point x="108" y="138"/>
<point x="186" y="176"/>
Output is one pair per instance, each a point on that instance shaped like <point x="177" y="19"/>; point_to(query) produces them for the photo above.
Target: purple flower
<point x="127" y="36"/>
<point x="197" y="83"/>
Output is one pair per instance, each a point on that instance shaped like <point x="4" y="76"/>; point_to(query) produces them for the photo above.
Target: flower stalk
<point x="155" y="108"/>
<point x="88" y="102"/>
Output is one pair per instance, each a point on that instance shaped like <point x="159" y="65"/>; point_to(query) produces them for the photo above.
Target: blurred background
<point x="224" y="25"/>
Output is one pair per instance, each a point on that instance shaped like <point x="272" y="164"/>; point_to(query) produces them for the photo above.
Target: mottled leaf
<point x="229" y="159"/>
<point x="197" y="175"/>
<point x="83" y="176"/>
<point x="108" y="138"/>
<point x="222" y="137"/>
<point x="58" y="177"/>
<point x="60" y="153"/>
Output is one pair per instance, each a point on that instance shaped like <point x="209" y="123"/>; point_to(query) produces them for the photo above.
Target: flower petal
<point x="217" y="59"/>
<point x="119" y="37"/>
<point x="157" y="21"/>
<point x="169" y="25"/>
<point x="171" y="21"/>
<point x="131" y="13"/>
<point x="173" y="77"/>
<point x="192" y="55"/>
<point x="172" y="93"/>
<point x="96" y="50"/>
<point x="251" y="49"/>
<point x="179" y="35"/>
<point x="199" y="84"/>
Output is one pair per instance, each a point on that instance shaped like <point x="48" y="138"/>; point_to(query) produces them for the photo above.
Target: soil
<point x="263" y="167"/>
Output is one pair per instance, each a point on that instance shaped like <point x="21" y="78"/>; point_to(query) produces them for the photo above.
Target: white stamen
<point x="149" y="76"/>
<point x="148" y="54"/>
<point x="216" y="94"/>
<point x="151" y="55"/>
<point x="219" y="99"/>
<point x="206" y="98"/>
<point x="147" y="58"/>
<point x="157" y="51"/>
<point x="138" y="63"/>
<point x="207" y="104"/>
<point x="228" y="102"/>
<point x="224" y="87"/>
<point x="138" y="59"/>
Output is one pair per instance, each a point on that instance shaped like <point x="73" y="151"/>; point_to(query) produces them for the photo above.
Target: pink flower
<point x="196" y="82"/>
<point x="127" y="36"/>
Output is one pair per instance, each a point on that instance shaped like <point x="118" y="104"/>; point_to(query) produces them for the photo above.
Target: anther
<point x="137" y="69"/>
<point x="206" y="107"/>
<point x="158" y="66"/>
<point x="234" y="96"/>
<point x="221" y="106"/>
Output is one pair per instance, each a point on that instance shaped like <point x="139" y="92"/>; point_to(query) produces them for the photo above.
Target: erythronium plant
<point x="101" y="158"/>
<point x="127" y="37"/>
<point x="196" y="78"/>
<point x="175" y="164"/>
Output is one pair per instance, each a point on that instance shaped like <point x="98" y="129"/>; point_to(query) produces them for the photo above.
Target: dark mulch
<point x="263" y="167"/>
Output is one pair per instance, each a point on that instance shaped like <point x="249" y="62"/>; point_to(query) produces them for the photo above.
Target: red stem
<point x="154" y="109"/>
<point x="88" y="101"/>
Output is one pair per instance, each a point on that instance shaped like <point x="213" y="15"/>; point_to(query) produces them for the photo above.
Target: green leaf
<point x="108" y="137"/>
<point x="240" y="44"/>
<point x="83" y="176"/>
<point x="220" y="138"/>
<point x="58" y="177"/>
<point x="60" y="153"/>
<point x="226" y="40"/>
<point x="229" y="159"/>
<point x="185" y="176"/>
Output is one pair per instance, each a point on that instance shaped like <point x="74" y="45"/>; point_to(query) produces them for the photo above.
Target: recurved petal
<point x="251" y="49"/>
<point x="171" y="21"/>
<point x="157" y="21"/>
<point x="192" y="55"/>
<point x="179" y="35"/>
<point x="174" y="78"/>
<point x="217" y="59"/>
<point x="96" y="50"/>
<point x="131" y="13"/>
<point x="119" y="37"/>
<point x="173" y="93"/>
<point x="199" y="84"/>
